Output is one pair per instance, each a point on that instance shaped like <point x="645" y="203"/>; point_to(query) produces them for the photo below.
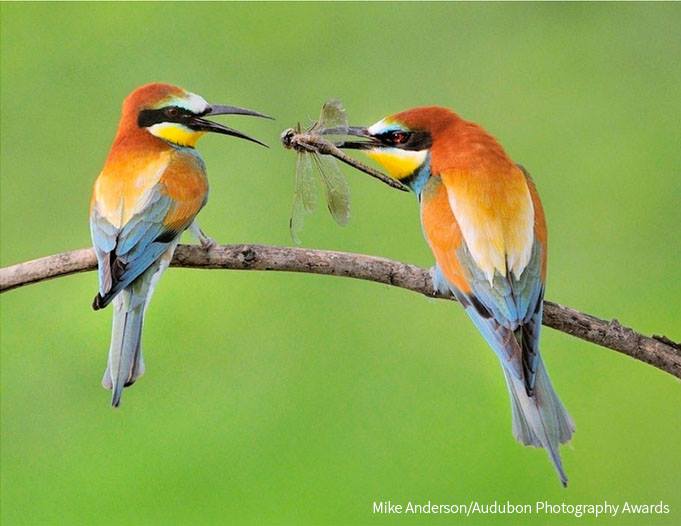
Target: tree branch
<point x="658" y="351"/>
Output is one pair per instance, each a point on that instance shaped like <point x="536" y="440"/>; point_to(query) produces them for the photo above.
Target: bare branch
<point x="658" y="351"/>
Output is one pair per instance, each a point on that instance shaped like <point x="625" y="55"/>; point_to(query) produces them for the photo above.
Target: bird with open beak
<point x="150" y="190"/>
<point x="484" y="222"/>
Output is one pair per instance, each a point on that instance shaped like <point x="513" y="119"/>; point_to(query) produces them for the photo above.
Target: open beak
<point x="201" y="124"/>
<point x="366" y="140"/>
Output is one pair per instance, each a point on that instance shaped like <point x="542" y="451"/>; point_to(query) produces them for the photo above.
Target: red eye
<point x="172" y="112"/>
<point x="399" y="137"/>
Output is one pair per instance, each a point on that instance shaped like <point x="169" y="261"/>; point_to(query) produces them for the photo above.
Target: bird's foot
<point x="207" y="242"/>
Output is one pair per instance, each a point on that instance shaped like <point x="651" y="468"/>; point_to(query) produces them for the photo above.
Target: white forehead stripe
<point x="192" y="102"/>
<point x="380" y="127"/>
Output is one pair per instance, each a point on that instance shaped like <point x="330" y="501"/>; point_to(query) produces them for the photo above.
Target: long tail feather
<point x="125" y="362"/>
<point x="540" y="420"/>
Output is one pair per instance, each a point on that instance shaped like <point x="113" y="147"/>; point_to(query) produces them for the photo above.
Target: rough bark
<point x="658" y="351"/>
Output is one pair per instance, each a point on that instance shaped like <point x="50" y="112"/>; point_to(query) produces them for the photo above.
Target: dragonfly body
<point x="312" y="143"/>
<point x="307" y="144"/>
<point x="316" y="150"/>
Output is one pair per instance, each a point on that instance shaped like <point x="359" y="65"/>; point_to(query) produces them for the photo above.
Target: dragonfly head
<point x="287" y="138"/>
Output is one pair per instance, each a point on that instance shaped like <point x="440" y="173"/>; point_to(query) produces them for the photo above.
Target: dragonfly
<point x="317" y="152"/>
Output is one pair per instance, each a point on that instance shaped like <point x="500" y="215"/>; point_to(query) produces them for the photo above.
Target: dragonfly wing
<point x="336" y="187"/>
<point x="306" y="183"/>
<point x="333" y="121"/>
<point x="304" y="197"/>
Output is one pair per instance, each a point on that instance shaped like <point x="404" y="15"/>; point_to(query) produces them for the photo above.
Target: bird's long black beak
<point x="366" y="142"/>
<point x="200" y="124"/>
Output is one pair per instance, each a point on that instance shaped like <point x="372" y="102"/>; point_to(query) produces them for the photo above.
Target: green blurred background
<point x="298" y="399"/>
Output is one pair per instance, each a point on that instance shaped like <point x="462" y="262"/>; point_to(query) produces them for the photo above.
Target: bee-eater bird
<point x="150" y="190"/>
<point x="483" y="220"/>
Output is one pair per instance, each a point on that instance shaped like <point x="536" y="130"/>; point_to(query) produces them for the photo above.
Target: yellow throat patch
<point x="398" y="163"/>
<point x="176" y="133"/>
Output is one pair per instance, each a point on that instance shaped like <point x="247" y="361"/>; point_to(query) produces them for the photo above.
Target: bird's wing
<point x="483" y="234"/>
<point x="160" y="215"/>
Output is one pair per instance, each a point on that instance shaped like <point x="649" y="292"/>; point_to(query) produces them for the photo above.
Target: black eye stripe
<point x="148" y="118"/>
<point x="406" y="140"/>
